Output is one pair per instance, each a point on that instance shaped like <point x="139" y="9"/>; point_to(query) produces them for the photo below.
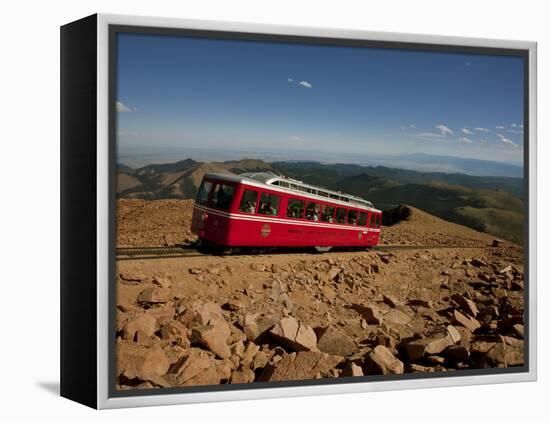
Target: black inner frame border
<point x="114" y="29"/>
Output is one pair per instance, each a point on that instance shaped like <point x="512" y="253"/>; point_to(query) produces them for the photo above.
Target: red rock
<point x="294" y="334"/>
<point x="504" y="355"/>
<point x="468" y="322"/>
<point x="371" y="314"/>
<point x="199" y="369"/>
<point x="142" y="322"/>
<point x="428" y="346"/>
<point x="204" y="313"/>
<point x="334" y="342"/>
<point x="174" y="330"/>
<point x="466" y="304"/>
<point x="351" y="369"/>
<point x="456" y="354"/>
<point x="139" y="361"/>
<point x="301" y="365"/>
<point x="392" y="301"/>
<point x="242" y="375"/>
<point x="381" y="361"/>
<point x="154" y="295"/>
<point x="255" y="325"/>
<point x="213" y="337"/>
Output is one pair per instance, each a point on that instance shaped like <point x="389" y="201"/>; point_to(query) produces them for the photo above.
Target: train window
<point x="223" y="194"/>
<point x="352" y="217"/>
<point x="249" y="201"/>
<point x="340" y="215"/>
<point x="295" y="208"/>
<point x="284" y="184"/>
<point x="269" y="204"/>
<point x="204" y="192"/>
<point x="362" y="219"/>
<point x="328" y="214"/>
<point x="322" y="193"/>
<point x="376" y="220"/>
<point x="313" y="211"/>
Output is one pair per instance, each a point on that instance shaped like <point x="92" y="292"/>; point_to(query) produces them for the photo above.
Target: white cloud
<point x="513" y="125"/>
<point x="290" y="80"/>
<point x="482" y="129"/>
<point x="444" y="130"/>
<point x="515" y="131"/>
<point x="305" y="84"/>
<point x="123" y="108"/>
<point x="403" y="128"/>
<point x="467" y="63"/>
<point x="412" y="126"/>
<point x="505" y="140"/>
<point x="430" y="136"/>
<point x="499" y="127"/>
<point x="520" y="126"/>
<point x="466" y="131"/>
<point x="465" y="141"/>
<point x="295" y="138"/>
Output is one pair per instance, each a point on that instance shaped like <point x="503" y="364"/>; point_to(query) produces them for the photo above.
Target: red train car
<point x="267" y="210"/>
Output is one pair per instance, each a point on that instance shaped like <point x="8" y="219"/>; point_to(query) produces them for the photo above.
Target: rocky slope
<point x="168" y="222"/>
<point x="215" y="320"/>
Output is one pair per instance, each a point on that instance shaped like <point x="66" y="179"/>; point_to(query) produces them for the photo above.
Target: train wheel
<point x="226" y="251"/>
<point x="323" y="249"/>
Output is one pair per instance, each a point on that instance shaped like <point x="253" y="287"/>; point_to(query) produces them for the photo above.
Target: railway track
<point x="128" y="253"/>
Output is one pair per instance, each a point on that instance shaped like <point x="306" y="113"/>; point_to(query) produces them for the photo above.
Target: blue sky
<point x="181" y="92"/>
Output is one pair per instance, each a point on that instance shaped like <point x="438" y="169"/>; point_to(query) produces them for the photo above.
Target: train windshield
<point x="204" y="192"/>
<point x="222" y="196"/>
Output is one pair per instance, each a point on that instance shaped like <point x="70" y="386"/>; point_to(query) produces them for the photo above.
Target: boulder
<point x="454" y="334"/>
<point x="255" y="325"/>
<point x="372" y="314"/>
<point x="396" y="317"/>
<point x="468" y="322"/>
<point x="478" y="263"/>
<point x="434" y="344"/>
<point x="143" y="322"/>
<point x="334" y="342"/>
<point x="381" y="361"/>
<point x="204" y="313"/>
<point x="421" y="302"/>
<point x="466" y="304"/>
<point x="199" y="369"/>
<point x="294" y="334"/>
<point x="141" y="361"/>
<point x="502" y="355"/>
<point x="154" y="295"/>
<point x="213" y="337"/>
<point x="242" y="375"/>
<point x="301" y="365"/>
<point x="174" y="330"/>
<point x="392" y="301"/>
<point x="351" y="369"/>
<point x="456" y="354"/>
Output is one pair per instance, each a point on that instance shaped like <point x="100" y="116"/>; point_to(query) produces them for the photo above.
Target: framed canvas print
<point x="253" y="211"/>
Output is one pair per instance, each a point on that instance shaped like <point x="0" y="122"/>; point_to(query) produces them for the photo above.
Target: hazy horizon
<point x="417" y="162"/>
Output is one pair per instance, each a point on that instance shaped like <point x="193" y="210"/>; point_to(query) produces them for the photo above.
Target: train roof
<point x="290" y="185"/>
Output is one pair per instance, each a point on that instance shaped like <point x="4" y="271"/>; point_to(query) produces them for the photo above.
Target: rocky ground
<point x="240" y="319"/>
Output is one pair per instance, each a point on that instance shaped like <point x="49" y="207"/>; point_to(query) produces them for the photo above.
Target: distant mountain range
<point x="419" y="161"/>
<point x="485" y="203"/>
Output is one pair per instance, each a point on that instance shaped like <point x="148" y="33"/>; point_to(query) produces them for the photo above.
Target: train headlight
<point x="204" y="216"/>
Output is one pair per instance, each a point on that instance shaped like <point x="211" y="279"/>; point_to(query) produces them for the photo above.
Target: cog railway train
<point x="264" y="210"/>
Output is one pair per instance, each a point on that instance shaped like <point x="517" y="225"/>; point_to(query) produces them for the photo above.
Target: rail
<point x="126" y="253"/>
